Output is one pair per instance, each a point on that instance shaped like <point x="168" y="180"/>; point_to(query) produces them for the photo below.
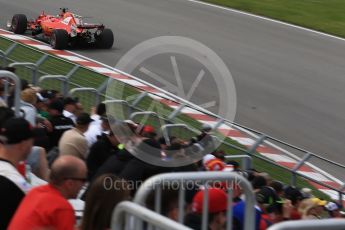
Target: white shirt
<point x="10" y="172"/>
<point x="95" y="129"/>
<point x="70" y="115"/>
<point x="30" y="112"/>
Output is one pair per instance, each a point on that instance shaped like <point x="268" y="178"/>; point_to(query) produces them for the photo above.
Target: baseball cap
<point x="217" y="201"/>
<point x="49" y="94"/>
<point x="148" y="129"/>
<point x="215" y="165"/>
<point x="84" y="119"/>
<point x="308" y="204"/>
<point x="318" y="201"/>
<point x="331" y="206"/>
<point x="16" y="130"/>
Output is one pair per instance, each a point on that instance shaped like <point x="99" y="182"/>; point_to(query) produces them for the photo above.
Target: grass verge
<point x="322" y="15"/>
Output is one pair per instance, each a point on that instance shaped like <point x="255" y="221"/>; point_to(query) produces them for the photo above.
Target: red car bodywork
<point x="64" y="29"/>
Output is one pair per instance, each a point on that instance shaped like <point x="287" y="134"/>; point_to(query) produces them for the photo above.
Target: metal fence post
<point x="176" y="111"/>
<point x="341" y="195"/>
<point x="253" y="148"/>
<point x="139" y="98"/>
<point x="5" y="54"/>
<point x="218" y="124"/>
<point x="8" y="74"/>
<point x="72" y="71"/>
<point x="297" y="166"/>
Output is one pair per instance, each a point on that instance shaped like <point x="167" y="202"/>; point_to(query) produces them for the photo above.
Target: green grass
<point x="322" y="15"/>
<point x="118" y="90"/>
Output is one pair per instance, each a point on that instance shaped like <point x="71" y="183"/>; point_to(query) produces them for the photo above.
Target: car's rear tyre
<point x="59" y="39"/>
<point x="19" y="24"/>
<point x="106" y="39"/>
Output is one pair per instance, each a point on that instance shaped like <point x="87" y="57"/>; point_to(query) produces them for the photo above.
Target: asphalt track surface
<point x="289" y="82"/>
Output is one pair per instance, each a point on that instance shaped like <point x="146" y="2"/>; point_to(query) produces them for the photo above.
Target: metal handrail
<point x="144" y="214"/>
<point x="75" y="90"/>
<point x="62" y="78"/>
<point x="329" y="224"/>
<point x="29" y="65"/>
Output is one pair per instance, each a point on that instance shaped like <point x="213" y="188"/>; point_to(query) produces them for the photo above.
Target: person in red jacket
<point x="46" y="207"/>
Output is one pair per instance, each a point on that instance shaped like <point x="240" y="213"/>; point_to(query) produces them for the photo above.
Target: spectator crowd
<point x="55" y="151"/>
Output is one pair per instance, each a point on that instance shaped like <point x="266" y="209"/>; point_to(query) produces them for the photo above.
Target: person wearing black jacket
<point x="16" y="139"/>
<point x="100" y="151"/>
<point x="59" y="122"/>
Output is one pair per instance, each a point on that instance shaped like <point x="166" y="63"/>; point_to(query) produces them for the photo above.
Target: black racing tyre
<point x="59" y="39"/>
<point x="106" y="39"/>
<point x="19" y="23"/>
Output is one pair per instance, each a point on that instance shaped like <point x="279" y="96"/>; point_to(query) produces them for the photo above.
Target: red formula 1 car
<point x="65" y="29"/>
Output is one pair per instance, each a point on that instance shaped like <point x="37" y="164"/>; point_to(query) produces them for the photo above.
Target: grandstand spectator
<point x="46" y="207"/>
<point x="59" y="122"/>
<point x="214" y="164"/>
<point x="5" y="114"/>
<point x="42" y="105"/>
<point x="148" y="131"/>
<point x="235" y="165"/>
<point x="293" y="194"/>
<point x="95" y="128"/>
<point x="239" y="218"/>
<point x="277" y="212"/>
<point x="266" y="196"/>
<point x="105" y="147"/>
<point x="278" y="187"/>
<point x="37" y="160"/>
<point x="70" y="108"/>
<point x="217" y="207"/>
<point x="27" y="105"/>
<point x="73" y="142"/>
<point x="50" y="95"/>
<point x="137" y="170"/>
<point x="16" y="142"/>
<point x="220" y="154"/>
<point x="311" y="208"/>
<point x="102" y="197"/>
<point x="258" y="182"/>
<point x="114" y="164"/>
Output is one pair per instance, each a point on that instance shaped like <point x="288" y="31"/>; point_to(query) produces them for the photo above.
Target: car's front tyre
<point x="59" y="39"/>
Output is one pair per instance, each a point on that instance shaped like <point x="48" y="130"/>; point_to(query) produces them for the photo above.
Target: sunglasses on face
<point x="84" y="180"/>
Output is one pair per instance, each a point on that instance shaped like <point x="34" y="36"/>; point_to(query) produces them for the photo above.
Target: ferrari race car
<point x="65" y="29"/>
